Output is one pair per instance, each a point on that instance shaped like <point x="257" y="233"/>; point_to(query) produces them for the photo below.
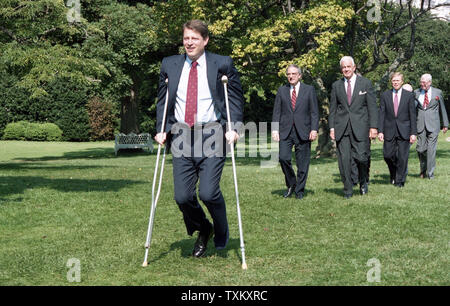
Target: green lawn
<point x="62" y="201"/>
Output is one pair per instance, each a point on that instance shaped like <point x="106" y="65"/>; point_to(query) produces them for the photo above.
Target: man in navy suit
<point x="397" y="128"/>
<point x="196" y="113"/>
<point x="297" y="114"/>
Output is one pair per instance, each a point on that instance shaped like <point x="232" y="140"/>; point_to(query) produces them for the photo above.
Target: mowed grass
<point x="63" y="201"/>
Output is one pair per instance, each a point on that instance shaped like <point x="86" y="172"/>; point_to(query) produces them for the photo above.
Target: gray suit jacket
<point x="362" y="113"/>
<point x="429" y="118"/>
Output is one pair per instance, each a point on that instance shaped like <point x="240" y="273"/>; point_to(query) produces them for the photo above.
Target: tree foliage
<point x="113" y="49"/>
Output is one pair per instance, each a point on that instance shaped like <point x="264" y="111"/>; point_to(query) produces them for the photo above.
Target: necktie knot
<point x="194" y="64"/>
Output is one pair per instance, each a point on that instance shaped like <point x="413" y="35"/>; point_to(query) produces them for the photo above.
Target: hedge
<point x="24" y="130"/>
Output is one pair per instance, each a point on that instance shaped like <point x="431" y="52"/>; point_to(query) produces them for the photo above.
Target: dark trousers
<point x="302" y="158"/>
<point x="396" y="153"/>
<point x="190" y="169"/>
<point x="350" y="150"/>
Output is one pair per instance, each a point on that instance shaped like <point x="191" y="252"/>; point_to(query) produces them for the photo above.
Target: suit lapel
<point x="390" y="102"/>
<point x="211" y="72"/>
<point x="175" y="75"/>
<point x="402" y="102"/>
<point x="432" y="95"/>
<point x="300" y="95"/>
<point x="356" y="89"/>
<point x="287" y="94"/>
<point x="343" y="92"/>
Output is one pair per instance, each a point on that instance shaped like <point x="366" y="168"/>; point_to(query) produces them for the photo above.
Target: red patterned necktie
<point x="191" y="97"/>
<point x="349" y="92"/>
<point x="395" y="104"/>
<point x="293" y="98"/>
<point x="425" y="100"/>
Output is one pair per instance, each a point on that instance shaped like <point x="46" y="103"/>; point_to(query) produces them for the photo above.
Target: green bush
<point x="15" y="130"/>
<point x="24" y="130"/>
<point x="52" y="131"/>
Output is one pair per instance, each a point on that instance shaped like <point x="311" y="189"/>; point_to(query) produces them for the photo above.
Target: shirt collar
<point x="423" y="90"/>
<point x="352" y="79"/>
<point x="201" y="61"/>
<point x="297" y="86"/>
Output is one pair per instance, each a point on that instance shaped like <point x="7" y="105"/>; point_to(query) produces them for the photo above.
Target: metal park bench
<point x="133" y="141"/>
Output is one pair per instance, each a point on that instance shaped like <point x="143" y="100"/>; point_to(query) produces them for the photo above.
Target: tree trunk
<point x="325" y="147"/>
<point x="129" y="114"/>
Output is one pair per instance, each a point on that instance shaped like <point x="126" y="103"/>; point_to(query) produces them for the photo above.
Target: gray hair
<point x="407" y="87"/>
<point x="426" y="77"/>
<point x="294" y="66"/>
<point x="346" y="58"/>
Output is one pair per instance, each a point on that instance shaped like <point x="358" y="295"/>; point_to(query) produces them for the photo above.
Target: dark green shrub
<point x="64" y="105"/>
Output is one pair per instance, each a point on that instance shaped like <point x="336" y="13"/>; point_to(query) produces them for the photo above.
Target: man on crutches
<point x="196" y="122"/>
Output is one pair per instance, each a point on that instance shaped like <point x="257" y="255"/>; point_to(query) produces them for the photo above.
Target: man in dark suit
<point x="297" y="114"/>
<point x="353" y="122"/>
<point x="430" y="110"/>
<point x="196" y="113"/>
<point x="397" y="128"/>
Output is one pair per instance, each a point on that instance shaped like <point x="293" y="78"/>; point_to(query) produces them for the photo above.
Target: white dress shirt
<point x="205" y="105"/>
<point x="352" y="83"/>
<point x="399" y="94"/>
<point x="297" y="88"/>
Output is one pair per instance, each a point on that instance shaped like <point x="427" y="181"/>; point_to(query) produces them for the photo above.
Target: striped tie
<point x="293" y="98"/>
<point x="425" y="100"/>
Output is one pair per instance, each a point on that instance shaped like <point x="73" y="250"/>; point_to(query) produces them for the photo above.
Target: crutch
<point x="155" y="198"/>
<point x="241" y="235"/>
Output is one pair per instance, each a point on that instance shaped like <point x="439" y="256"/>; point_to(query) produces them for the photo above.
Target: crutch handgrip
<point x="224" y="79"/>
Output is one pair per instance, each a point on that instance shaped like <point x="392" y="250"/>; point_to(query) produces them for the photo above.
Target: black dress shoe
<point x="300" y="195"/>
<point x="347" y="196"/>
<point x="363" y="189"/>
<point x="289" y="192"/>
<point x="202" y="242"/>
<point x="400" y="185"/>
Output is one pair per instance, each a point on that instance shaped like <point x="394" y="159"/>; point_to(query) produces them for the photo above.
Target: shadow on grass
<point x="280" y="192"/>
<point x="43" y="166"/>
<point x="186" y="246"/>
<point x="11" y="185"/>
<point x="92" y="153"/>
